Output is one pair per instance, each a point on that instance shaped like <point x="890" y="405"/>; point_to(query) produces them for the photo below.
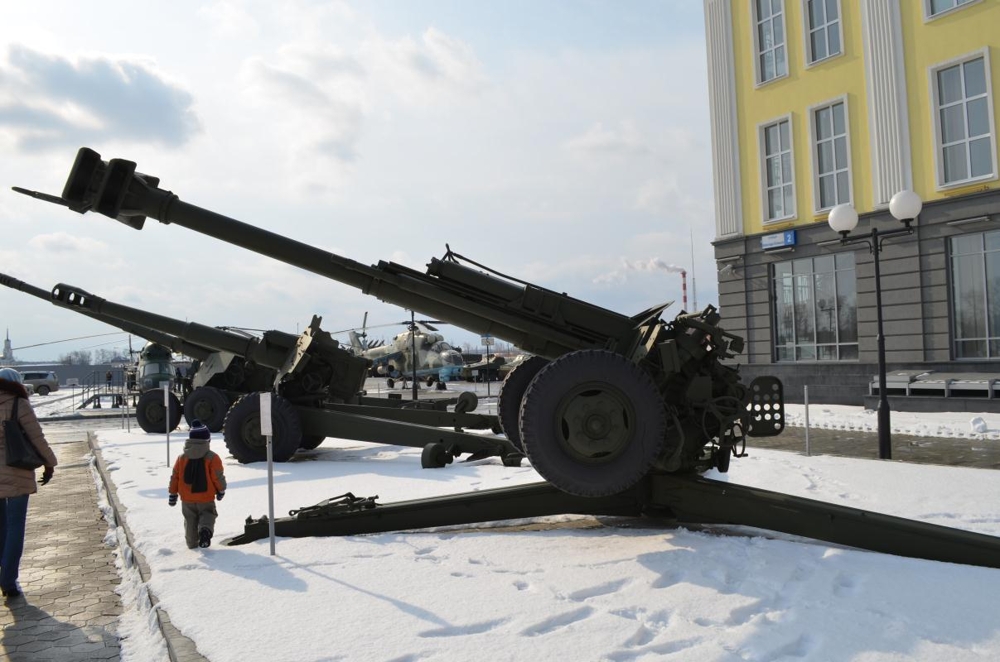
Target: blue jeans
<point x="13" y="514"/>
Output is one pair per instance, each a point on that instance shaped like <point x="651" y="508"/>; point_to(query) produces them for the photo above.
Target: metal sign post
<point x="265" y="430"/>
<point x="166" y="414"/>
<point x="487" y="343"/>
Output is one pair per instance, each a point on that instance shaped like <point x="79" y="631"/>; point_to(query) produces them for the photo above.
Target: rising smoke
<point x="619" y="276"/>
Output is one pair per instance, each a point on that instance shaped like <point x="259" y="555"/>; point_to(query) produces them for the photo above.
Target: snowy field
<point x="567" y="593"/>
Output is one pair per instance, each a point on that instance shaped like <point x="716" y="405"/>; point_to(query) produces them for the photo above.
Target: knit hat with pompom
<point x="199" y="430"/>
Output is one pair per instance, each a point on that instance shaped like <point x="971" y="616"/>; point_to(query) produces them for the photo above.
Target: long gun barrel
<point x="537" y="320"/>
<point x="270" y="352"/>
<point x="173" y="342"/>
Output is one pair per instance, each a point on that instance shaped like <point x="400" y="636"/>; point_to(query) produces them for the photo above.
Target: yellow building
<point x="820" y="103"/>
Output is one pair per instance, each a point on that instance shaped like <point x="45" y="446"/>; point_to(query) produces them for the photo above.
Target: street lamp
<point x="905" y="206"/>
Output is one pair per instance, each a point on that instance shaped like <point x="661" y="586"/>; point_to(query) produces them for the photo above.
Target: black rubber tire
<point x="434" y="456"/>
<point x="42" y="390"/>
<point x="467" y="401"/>
<point x="390" y="382"/>
<point x="242" y="430"/>
<point x="512" y="392"/>
<point x="512" y="460"/>
<point x="593" y="423"/>
<point x="311" y="441"/>
<point x="208" y="405"/>
<point x="152" y="415"/>
<point x="723" y="456"/>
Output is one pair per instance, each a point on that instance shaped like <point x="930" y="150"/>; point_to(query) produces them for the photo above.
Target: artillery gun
<point x="226" y="373"/>
<point x="606" y="398"/>
<point x="208" y="403"/>
<point x="319" y="391"/>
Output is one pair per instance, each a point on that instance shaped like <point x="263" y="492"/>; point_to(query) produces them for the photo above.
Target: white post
<point x="265" y="429"/>
<point x="166" y="415"/>
<point x="128" y="415"/>
<point x="805" y="390"/>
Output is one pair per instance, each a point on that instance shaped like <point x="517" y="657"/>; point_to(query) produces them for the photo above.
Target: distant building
<point x="8" y="351"/>
<point x="815" y="103"/>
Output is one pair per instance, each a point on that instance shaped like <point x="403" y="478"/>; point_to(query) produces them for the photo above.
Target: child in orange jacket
<point x="199" y="480"/>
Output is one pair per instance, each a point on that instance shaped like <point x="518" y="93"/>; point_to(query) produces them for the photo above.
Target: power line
<point x="55" y="342"/>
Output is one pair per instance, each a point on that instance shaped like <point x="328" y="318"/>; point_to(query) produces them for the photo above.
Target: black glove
<point x="172" y="499"/>
<point x="219" y="495"/>
<point x="47" y="475"/>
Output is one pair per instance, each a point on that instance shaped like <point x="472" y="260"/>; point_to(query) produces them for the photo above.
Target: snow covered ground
<point x="566" y="593"/>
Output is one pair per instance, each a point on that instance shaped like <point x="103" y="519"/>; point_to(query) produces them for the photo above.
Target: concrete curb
<point x="179" y="647"/>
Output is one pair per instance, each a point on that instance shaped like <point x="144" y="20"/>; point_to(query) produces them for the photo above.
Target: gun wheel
<point x="466" y="402"/>
<point x="435" y="456"/>
<point x="207" y="404"/>
<point x="311" y="441"/>
<point x="592" y="423"/>
<point x="242" y="430"/>
<point x="512" y="392"/>
<point x="152" y="415"/>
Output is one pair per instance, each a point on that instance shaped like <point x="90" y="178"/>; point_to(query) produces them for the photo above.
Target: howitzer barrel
<point x="537" y="320"/>
<point x="266" y="352"/>
<point x="152" y="335"/>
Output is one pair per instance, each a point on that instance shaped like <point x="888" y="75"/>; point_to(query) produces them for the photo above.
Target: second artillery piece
<point x="217" y="376"/>
<point x="318" y="386"/>
<point x="605" y="400"/>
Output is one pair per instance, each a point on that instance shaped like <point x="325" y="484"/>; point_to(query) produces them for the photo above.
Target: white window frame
<point x="762" y="157"/>
<point x="932" y="73"/>
<point x="807" y="42"/>
<point x="930" y="16"/>
<point x="758" y="72"/>
<point x="814" y="152"/>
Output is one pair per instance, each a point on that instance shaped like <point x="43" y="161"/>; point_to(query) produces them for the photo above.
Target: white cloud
<point x="231" y="19"/>
<point x="65" y="243"/>
<point x="599" y="142"/>
<point x="54" y="101"/>
<point x="432" y="70"/>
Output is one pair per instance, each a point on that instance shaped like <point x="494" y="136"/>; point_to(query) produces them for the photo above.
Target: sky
<point x="575" y="590"/>
<point x="564" y="143"/>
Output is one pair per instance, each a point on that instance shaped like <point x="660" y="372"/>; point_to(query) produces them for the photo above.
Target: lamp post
<point x="905" y="206"/>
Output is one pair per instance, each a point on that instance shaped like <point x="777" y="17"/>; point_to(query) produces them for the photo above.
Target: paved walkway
<point x="69" y="610"/>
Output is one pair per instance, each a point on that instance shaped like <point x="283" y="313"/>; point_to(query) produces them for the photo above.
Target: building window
<point x="779" y="184"/>
<point x="963" y="122"/>
<point x="975" y="295"/>
<point x="823" y="21"/>
<point x="936" y="7"/>
<point x="769" y="38"/>
<point x="815" y="309"/>
<point x="831" y="155"/>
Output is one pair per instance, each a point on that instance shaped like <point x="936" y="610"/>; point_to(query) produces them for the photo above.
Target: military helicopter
<point x="437" y="362"/>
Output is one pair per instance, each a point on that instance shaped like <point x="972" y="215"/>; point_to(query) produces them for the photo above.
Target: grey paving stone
<point x="64" y="551"/>
<point x="70" y="609"/>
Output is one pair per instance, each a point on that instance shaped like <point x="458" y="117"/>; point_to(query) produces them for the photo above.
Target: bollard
<point x="805" y="391"/>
